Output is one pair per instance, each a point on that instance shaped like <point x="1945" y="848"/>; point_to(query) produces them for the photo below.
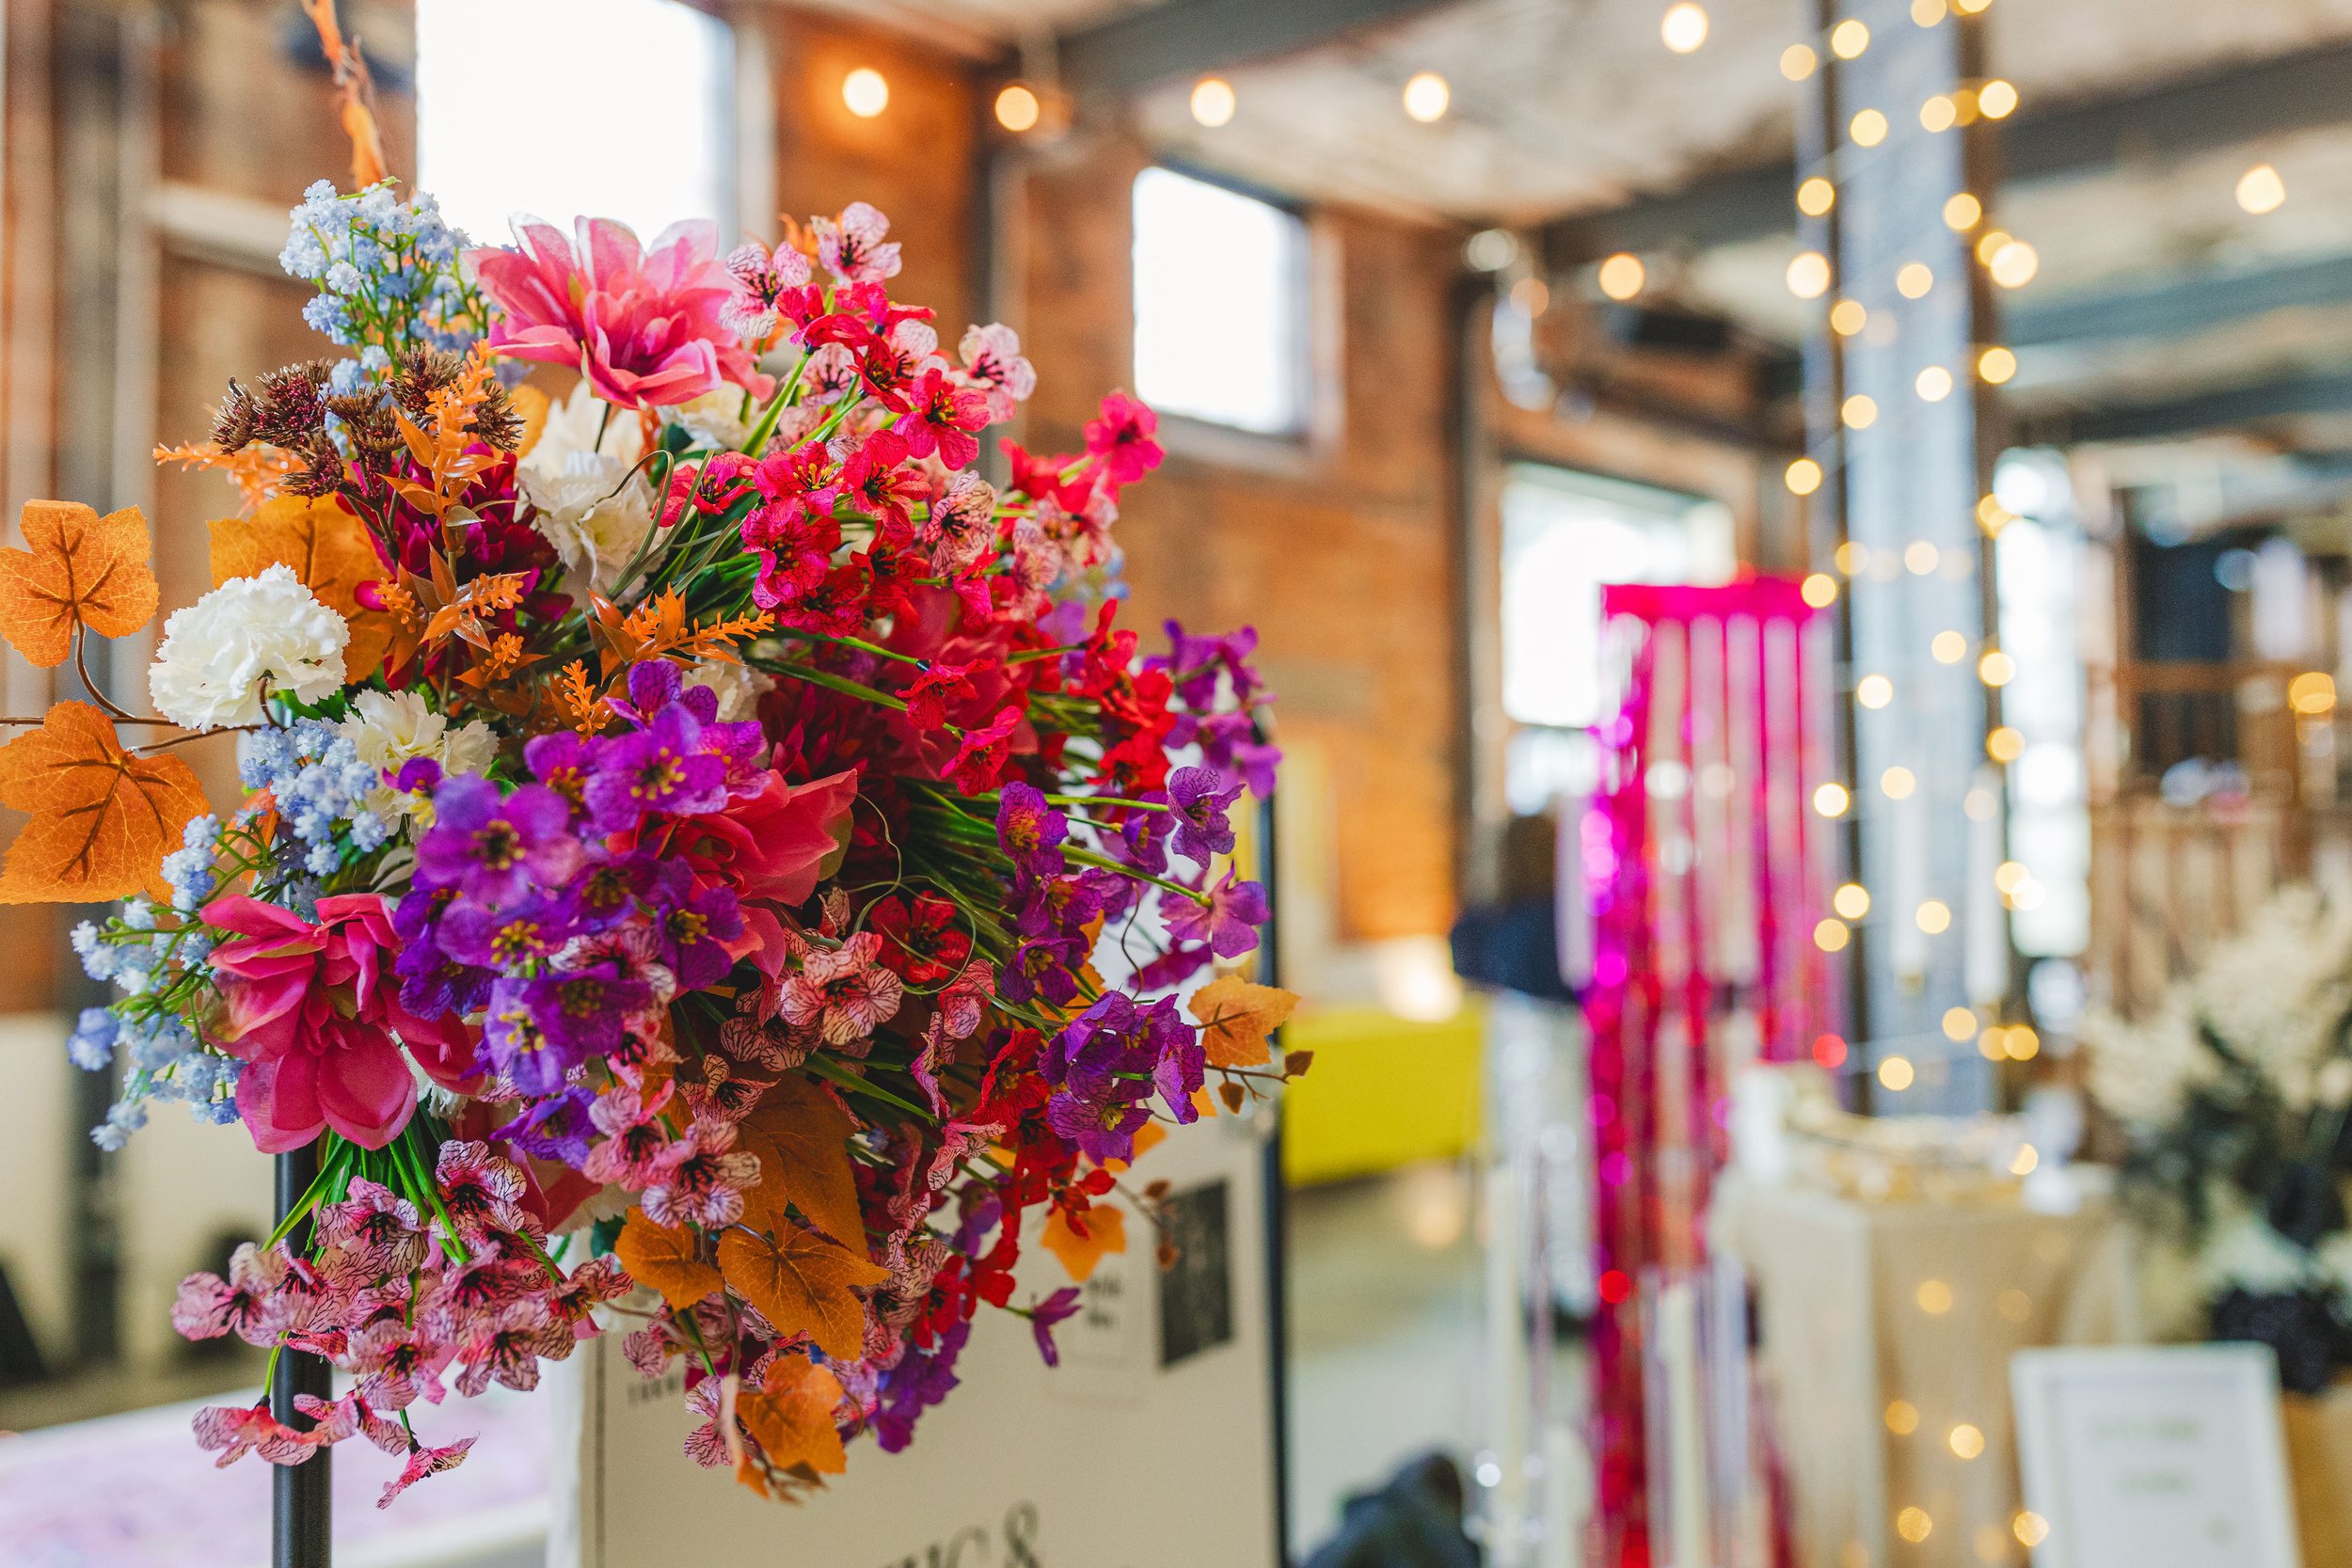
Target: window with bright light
<point x="1565" y="535"/>
<point x="1220" y="305"/>
<point x="561" y="108"/>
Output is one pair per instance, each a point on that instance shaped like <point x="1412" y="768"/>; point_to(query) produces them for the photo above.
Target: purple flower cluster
<point x="1229" y="740"/>
<point x="548" y="907"/>
<point x="1104" y="1065"/>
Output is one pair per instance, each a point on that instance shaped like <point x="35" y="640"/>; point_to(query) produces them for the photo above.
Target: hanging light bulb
<point x="1803" y="476"/>
<point x="1017" y="108"/>
<point x="1213" y="102"/>
<point x="1427" y="95"/>
<point x="1622" y="276"/>
<point x="1683" y="26"/>
<point x="1848" y="39"/>
<point x="1797" y="61"/>
<point x="865" y="93"/>
<point x="2261" y="190"/>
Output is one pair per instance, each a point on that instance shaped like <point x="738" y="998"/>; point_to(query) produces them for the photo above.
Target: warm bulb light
<point x="1831" y="936"/>
<point x="1989" y="243"/>
<point x="865" y="93"/>
<point x="1820" y="590"/>
<point x="1866" y="129"/>
<point x="2005" y="744"/>
<point x="2260" y="190"/>
<point x="1934" y="1297"/>
<point x="2023" y="1045"/>
<point x="1937" y="114"/>
<point x="1949" y="647"/>
<point x="1427" y="96"/>
<point x="1997" y="99"/>
<point x="1860" y="411"/>
<point x="1935" y="917"/>
<point x="1848" y="317"/>
<point x="2029" y="1528"/>
<point x="2311" y="693"/>
<point x="1902" y="1417"/>
<point x="1934" y="384"/>
<point x="1921" y="558"/>
<point x="1831" y="799"/>
<point x="1874" y="691"/>
<point x="1622" y="276"/>
<point x="1803" y="476"/>
<point x="2014" y="265"/>
<point x="1213" y="102"/>
<point x="1797" y="61"/>
<point x="1995" y="366"/>
<point x="1991" y="515"/>
<point x="1852" y="901"/>
<point x="1991" y="1044"/>
<point x="2008" y="873"/>
<point x="1853" y="559"/>
<point x="1959" y="1022"/>
<point x="1683" y="26"/>
<point x="1914" y="1524"/>
<point x="1017" y="108"/>
<point x="1980" y="804"/>
<point x="1927" y="13"/>
<point x="1997" y="668"/>
<point x="1914" y="281"/>
<point x="1896" y="1073"/>
<point x="1848" y="39"/>
<point x="1897" y="782"/>
<point x="1961" y="213"/>
<point x="1816" y="196"/>
<point x="1809" y="275"/>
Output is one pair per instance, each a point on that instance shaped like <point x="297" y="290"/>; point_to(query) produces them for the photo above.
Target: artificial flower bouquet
<point x="701" y="835"/>
<point x="2236" y="1093"/>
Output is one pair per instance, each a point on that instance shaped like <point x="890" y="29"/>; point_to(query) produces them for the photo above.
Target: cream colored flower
<point x="572" y="430"/>
<point x="248" y="636"/>
<point x="716" y="419"/>
<point x="597" y="514"/>
<point x="390" y="728"/>
<point x="740" y="689"/>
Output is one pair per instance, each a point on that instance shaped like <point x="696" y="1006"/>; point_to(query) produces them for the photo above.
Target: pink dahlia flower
<point x="645" y="327"/>
<point x="311" y="1010"/>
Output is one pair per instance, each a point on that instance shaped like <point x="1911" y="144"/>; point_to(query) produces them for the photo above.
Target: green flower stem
<point x="831" y="682"/>
<point x="1087" y="857"/>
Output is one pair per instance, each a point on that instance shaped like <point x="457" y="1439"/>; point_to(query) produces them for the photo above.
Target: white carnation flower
<point x="595" y="512"/>
<point x="249" y="635"/>
<point x="715" y="419"/>
<point x="390" y="728"/>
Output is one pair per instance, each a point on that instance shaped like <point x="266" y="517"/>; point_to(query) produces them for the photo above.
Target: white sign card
<point x="1149" y="1447"/>
<point x="2155" y="1457"/>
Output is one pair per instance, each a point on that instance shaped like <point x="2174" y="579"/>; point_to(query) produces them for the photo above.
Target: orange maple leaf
<point x="80" y="570"/>
<point x="1104" y="1231"/>
<point x="1238" y="1018"/>
<point x="663" y="1257"/>
<point x="329" y="548"/>
<point x="102" y="817"/>
<point x="790" y="1417"/>
<point x="802" y="1284"/>
<point x="801" y="1139"/>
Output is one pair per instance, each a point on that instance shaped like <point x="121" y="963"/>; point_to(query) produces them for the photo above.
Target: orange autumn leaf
<point x="1106" y="1233"/>
<point x="802" y="1284"/>
<point x="662" y="1258"/>
<point x="1237" y="1019"/>
<point x="802" y="1140"/>
<point x="791" y="1416"/>
<point x="531" y="405"/>
<point x="79" y="570"/>
<point x="329" y="550"/>
<point x="102" y="817"/>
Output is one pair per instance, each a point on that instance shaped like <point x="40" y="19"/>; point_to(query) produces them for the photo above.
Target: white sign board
<point x="1149" y="1447"/>
<point x="2155" y="1457"/>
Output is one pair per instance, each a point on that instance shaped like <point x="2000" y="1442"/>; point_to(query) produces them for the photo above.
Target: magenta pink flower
<point x="237" y="1430"/>
<point x="637" y="1149"/>
<point x="506" y="1346"/>
<point x="852" y="248"/>
<point x="645" y="327"/>
<point x="705" y="1184"/>
<point x="248" y="1304"/>
<point x="311" y="1009"/>
<point x="397" y="1363"/>
<point x="706" y="1445"/>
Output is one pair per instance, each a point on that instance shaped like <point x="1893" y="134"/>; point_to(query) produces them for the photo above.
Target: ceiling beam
<point x="2180" y="305"/>
<point x="2158" y="124"/>
<point x="1184" y="39"/>
<point x="2321" y="392"/>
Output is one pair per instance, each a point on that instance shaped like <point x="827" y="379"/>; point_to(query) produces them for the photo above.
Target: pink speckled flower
<point x="645" y="327"/>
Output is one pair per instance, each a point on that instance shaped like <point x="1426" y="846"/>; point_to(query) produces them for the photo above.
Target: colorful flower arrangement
<point x="710" y="858"/>
<point x="2236" y="1095"/>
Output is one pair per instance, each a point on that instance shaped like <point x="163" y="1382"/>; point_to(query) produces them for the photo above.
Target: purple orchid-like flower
<point x="517" y="1047"/>
<point x="522" y="933"/>
<point x="1044" y="968"/>
<point x="1227" y="917"/>
<point x="661" y="767"/>
<point x="920" y="1379"/>
<point x="1048" y="1314"/>
<point x="553" y="1129"/>
<point x="695" y="925"/>
<point x="1199" y="801"/>
<point x="1030" y="831"/>
<point x="1063" y="906"/>
<point x="582" y="1012"/>
<point x="496" y="847"/>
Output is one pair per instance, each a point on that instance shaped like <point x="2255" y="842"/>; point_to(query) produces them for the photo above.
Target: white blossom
<point x="390" y="728"/>
<point x="738" y="688"/>
<point x="219" y="654"/>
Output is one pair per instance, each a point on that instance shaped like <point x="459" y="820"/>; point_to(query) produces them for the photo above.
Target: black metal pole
<point x="301" y="1501"/>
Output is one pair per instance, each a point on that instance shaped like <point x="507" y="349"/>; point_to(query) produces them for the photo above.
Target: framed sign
<point x="1165" y="1397"/>
<point x="2155" y="1457"/>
